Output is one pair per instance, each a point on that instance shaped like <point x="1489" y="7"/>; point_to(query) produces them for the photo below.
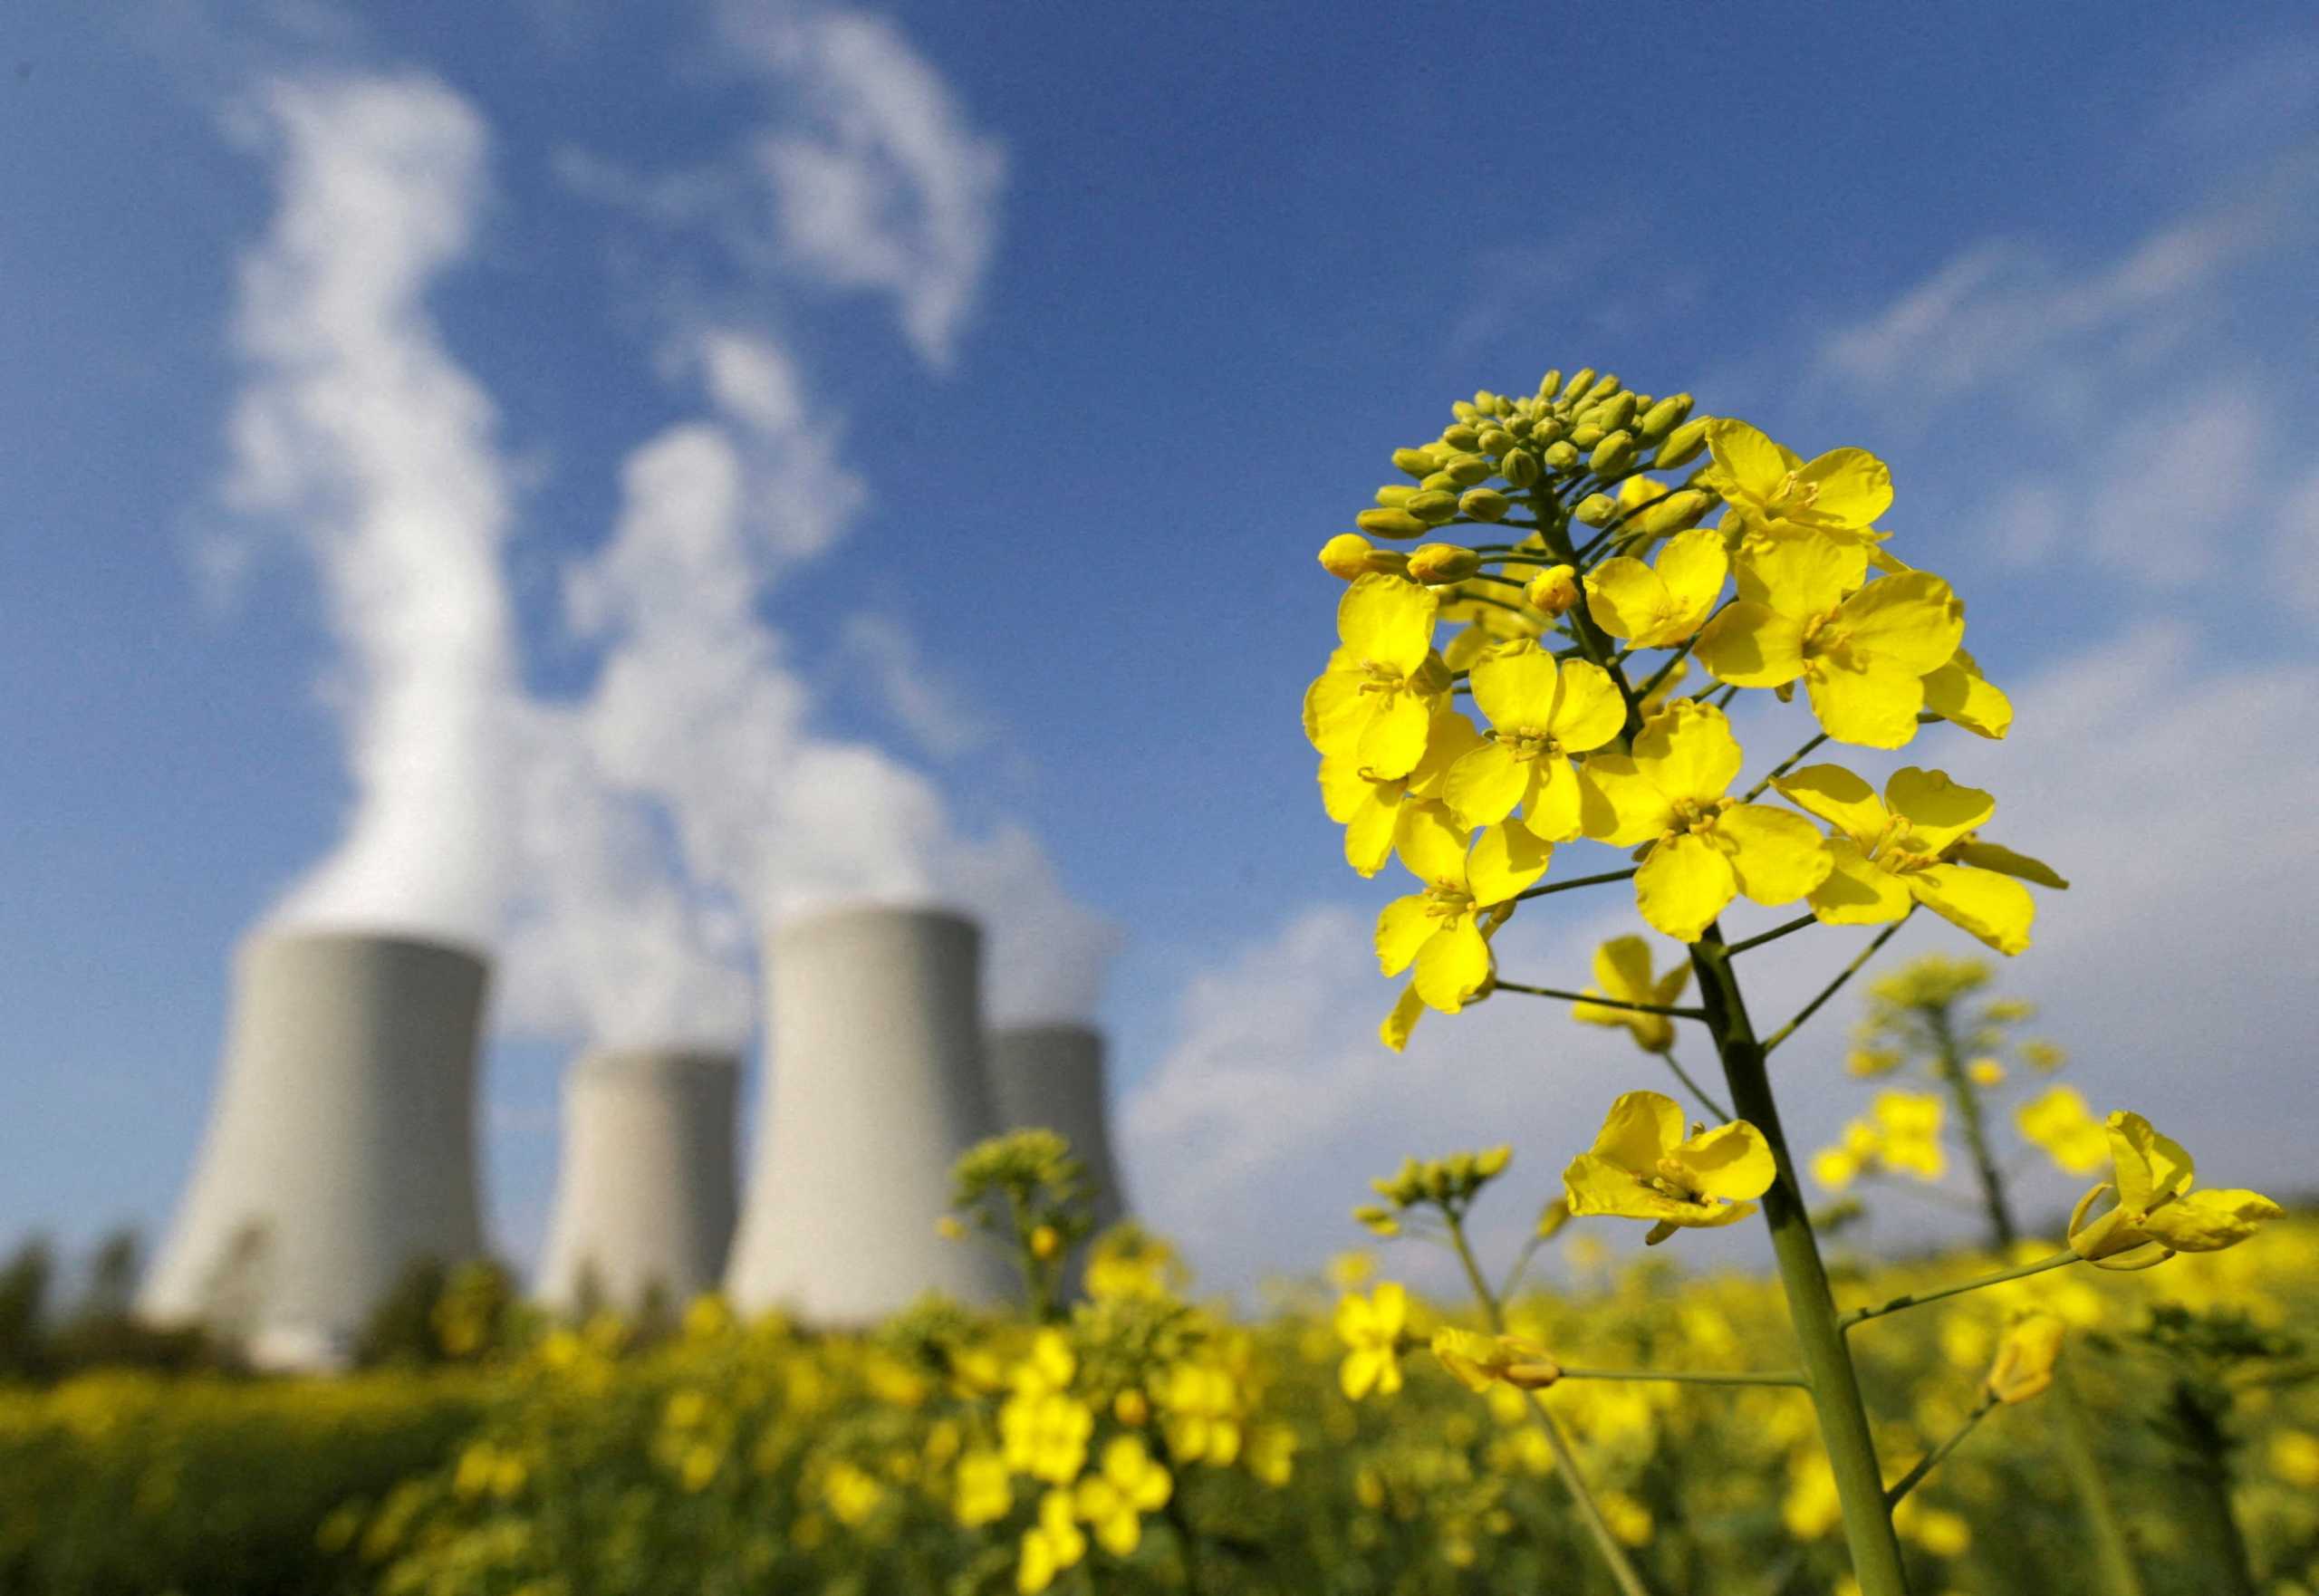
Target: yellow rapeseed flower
<point x="1959" y="693"/>
<point x="1373" y="809"/>
<point x="1112" y="1500"/>
<point x="1371" y="1327"/>
<point x="983" y="1493"/>
<point x="1657" y="606"/>
<point x="1439" y="929"/>
<point x="1863" y="653"/>
<point x="1773" y="490"/>
<point x="1540" y="714"/>
<point x="2155" y="1208"/>
<point x="1907" y="1133"/>
<point x="1706" y="849"/>
<point x="1622" y="971"/>
<point x="2058" y="1120"/>
<point x="1919" y="843"/>
<point x="1642" y="1166"/>
<point x="1043" y="1434"/>
<point x="2025" y="1355"/>
<point x="1479" y="1362"/>
<point x="1376" y="699"/>
<point x="1050" y="1546"/>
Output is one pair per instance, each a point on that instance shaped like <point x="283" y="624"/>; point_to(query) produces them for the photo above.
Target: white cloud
<point x="2294" y="546"/>
<point x="881" y="649"/>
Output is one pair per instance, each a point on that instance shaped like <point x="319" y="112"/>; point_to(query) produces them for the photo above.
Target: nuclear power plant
<point x="341" y="1147"/>
<point x="875" y="1046"/>
<point x="1051" y="1077"/>
<point x="340" y="1144"/>
<point x="646" y="1191"/>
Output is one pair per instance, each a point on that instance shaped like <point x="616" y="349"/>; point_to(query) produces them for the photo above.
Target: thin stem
<point x="1836" y="985"/>
<point x="1703" y="1376"/>
<point x="1785" y="928"/>
<point x="1576" y="882"/>
<point x="1812" y="1310"/>
<point x="2113" y="1558"/>
<point x="1782" y="768"/>
<point x="1696" y="1089"/>
<point x="1950" y="1068"/>
<point x="1639" y="1008"/>
<point x="1590" y="1512"/>
<point x="1932" y="1460"/>
<point x="1917" y="1299"/>
<point x="1521" y="1265"/>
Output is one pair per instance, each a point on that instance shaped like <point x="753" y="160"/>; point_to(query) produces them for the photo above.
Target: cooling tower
<point x="1051" y="1077"/>
<point x="875" y="1029"/>
<point x="341" y="1145"/>
<point x="645" y="1194"/>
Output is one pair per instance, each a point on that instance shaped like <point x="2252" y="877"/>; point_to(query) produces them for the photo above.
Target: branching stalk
<point x="1919" y="1299"/>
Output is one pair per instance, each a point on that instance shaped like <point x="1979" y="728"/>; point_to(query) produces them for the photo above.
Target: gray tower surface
<point x="874" y="1018"/>
<point x="1051" y="1077"/>
<point x="340" y="1145"/>
<point x="646" y="1191"/>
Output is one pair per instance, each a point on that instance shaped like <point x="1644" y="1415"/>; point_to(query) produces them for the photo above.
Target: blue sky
<point x="1038" y="348"/>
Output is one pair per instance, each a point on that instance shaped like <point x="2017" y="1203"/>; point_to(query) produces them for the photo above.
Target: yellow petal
<point x="1686" y="750"/>
<point x="2150" y="1167"/>
<point x="1799" y="575"/>
<point x="1507" y="858"/>
<point x="1937" y="810"/>
<point x="1626" y="598"/>
<point x="1989" y="856"/>
<point x="1371" y="832"/>
<point x="1857" y="892"/>
<point x="1731" y="1161"/>
<point x="1408" y="1009"/>
<point x="1450" y="738"/>
<point x="1751" y="645"/>
<point x="1387" y="620"/>
<point x="1431" y="844"/>
<point x="1344" y="789"/>
<point x="1623" y="969"/>
<point x="1517" y="689"/>
<point x="1336" y="712"/>
<point x="1914" y="618"/>
<point x="1855" y="487"/>
<point x="1692" y="566"/>
<point x="1618" y="805"/>
<point x="1484" y="786"/>
<point x="1403" y="928"/>
<point x="1588" y="712"/>
<point x="1393" y="741"/>
<point x="1778" y="856"/>
<point x="1747" y="459"/>
<point x="1960" y="693"/>
<point x="1453" y="967"/>
<point x="1641" y="1127"/>
<point x="1995" y="909"/>
<point x="1839" y="797"/>
<point x="1685" y="883"/>
<point x="2209" y="1221"/>
<point x="1865" y="699"/>
<point x="1555" y="809"/>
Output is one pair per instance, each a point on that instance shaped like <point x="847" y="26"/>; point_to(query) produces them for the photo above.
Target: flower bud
<point x="1485" y="504"/>
<point x="1561" y="457"/>
<point x="1492" y="1161"/>
<point x="1582" y="382"/>
<point x="1520" y="468"/>
<point x="1554" y="591"/>
<point x="2025" y="1355"/>
<point x="1497" y="441"/>
<point x="1675" y="513"/>
<point x="1615" y="415"/>
<point x="1439" y="481"/>
<point x="1586" y="434"/>
<point x="1416" y="462"/>
<point x="1604" y="387"/>
<point x="1132" y="1408"/>
<point x="1520" y="424"/>
<point x="1046" y="1241"/>
<point x="1345" y="556"/>
<point x="1613" y="455"/>
<point x="1485" y="401"/>
<point x="1390" y="522"/>
<point x="1378" y="1221"/>
<point x="1467" y="470"/>
<point x="1394" y="495"/>
<point x="1463" y="411"/>
<point x="1550" y="383"/>
<point x="1433" y="507"/>
<point x="1664" y="417"/>
<point x="1435" y="563"/>
<point x="1596" y="509"/>
<point x="1682" y="444"/>
<point x="1462" y="439"/>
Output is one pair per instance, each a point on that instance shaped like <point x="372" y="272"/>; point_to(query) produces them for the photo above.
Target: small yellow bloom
<point x="1043" y="1434"/>
<point x="2294" y="1458"/>
<point x="1112" y="1500"/>
<point x="2059" y="1122"/>
<point x="1046" y="1241"/>
<point x="983" y="1493"/>
<point x="1554" y="591"/>
<point x="1986" y="1073"/>
<point x="1373" y="810"/>
<point x="1439" y="929"/>
<point x="1706" y="849"/>
<point x="1919" y="842"/>
<point x="1479" y="1362"/>
<point x="1540" y="714"/>
<point x="1907" y="1133"/>
<point x="1622" y="971"/>
<point x="1642" y="1166"/>
<point x="1657" y="606"/>
<point x="1371" y="1328"/>
<point x="1376" y="699"/>
<point x="1050" y="1546"/>
<point x="2025" y="1355"/>
<point x="1771" y="489"/>
<point x="2155" y="1207"/>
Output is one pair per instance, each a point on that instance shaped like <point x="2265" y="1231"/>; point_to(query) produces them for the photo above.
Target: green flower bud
<point x="1391" y="524"/>
<point x="1664" y="417"/>
<point x="1435" y="563"/>
<point x="1465" y="411"/>
<point x="1615" y="415"/>
<point x="1439" y="482"/>
<point x="1596" y="509"/>
<point x="1613" y="455"/>
<point x="1416" y="462"/>
<point x="1464" y="439"/>
<point x="1520" y="468"/>
<point x="1432" y="507"/>
<point x="1561" y="457"/>
<point x="1485" y="504"/>
<point x="1582" y="382"/>
<point x="1549" y="427"/>
<point x="1492" y="1162"/>
<point x="1395" y="495"/>
<point x="1675" y="513"/>
<point x="1604" y="387"/>
<point x="1586" y="434"/>
<point x="1497" y="441"/>
<point x="1519" y="426"/>
<point x="1486" y="402"/>
<point x="1467" y="470"/>
<point x="1554" y="591"/>
<point x="1682" y="443"/>
<point x="1550" y="383"/>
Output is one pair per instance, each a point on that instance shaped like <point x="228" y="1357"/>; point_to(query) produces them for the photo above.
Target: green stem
<point x="2002" y="1232"/>
<point x="1590" y="1512"/>
<point x="1836" y="985"/>
<point x="1782" y="768"/>
<point x="1554" y="887"/>
<point x="1708" y="1103"/>
<point x="1704" y="1376"/>
<point x="1639" y="1008"/>
<point x="2201" y="1470"/>
<point x="1812" y="1310"/>
<point x="1785" y="928"/>
<point x="1932" y="1460"/>
<point x="2113" y="1558"/>
<point x="1919" y="1299"/>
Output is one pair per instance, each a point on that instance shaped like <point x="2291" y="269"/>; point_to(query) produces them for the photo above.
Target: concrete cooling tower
<point x="1051" y="1077"/>
<point x="645" y="1194"/>
<point x="341" y="1145"/>
<point x="875" y="1029"/>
